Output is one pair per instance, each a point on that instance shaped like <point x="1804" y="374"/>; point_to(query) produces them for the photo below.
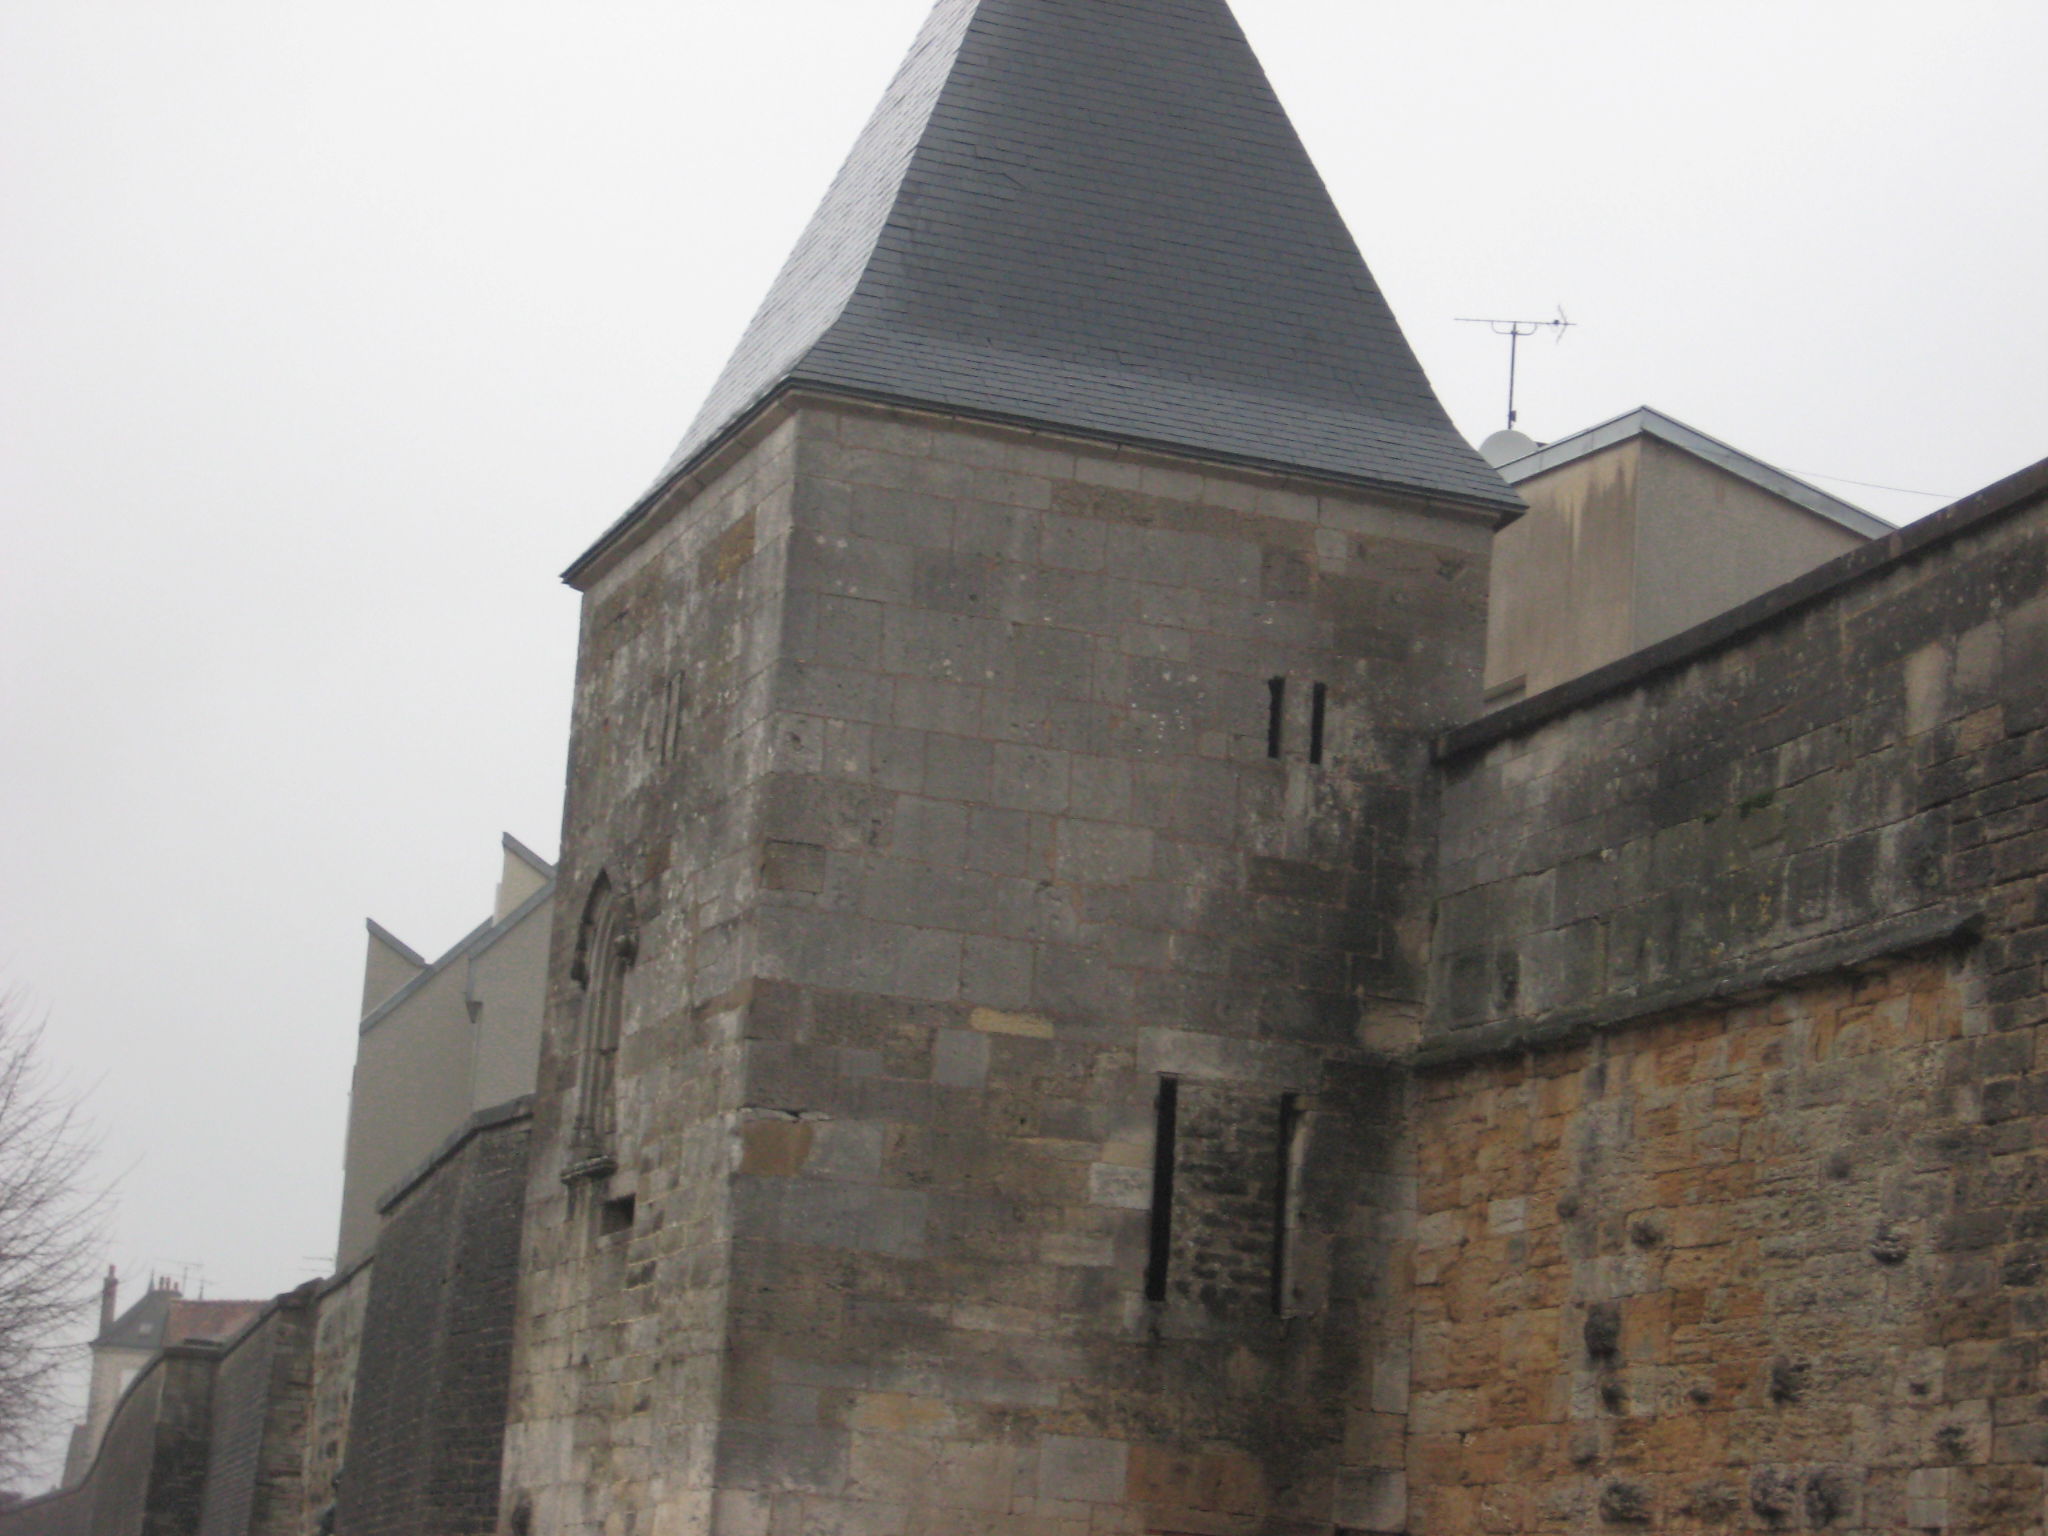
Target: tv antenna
<point x="1515" y="330"/>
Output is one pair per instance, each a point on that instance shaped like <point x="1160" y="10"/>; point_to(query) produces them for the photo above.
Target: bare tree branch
<point x="52" y="1228"/>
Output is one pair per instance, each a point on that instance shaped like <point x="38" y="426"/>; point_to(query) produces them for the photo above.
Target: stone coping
<point x="677" y="486"/>
<point x="2013" y="494"/>
<point x="1955" y="923"/>
<point x="483" y="1120"/>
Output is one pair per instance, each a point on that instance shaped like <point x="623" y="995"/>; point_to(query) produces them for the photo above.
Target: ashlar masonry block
<point x="1028" y="883"/>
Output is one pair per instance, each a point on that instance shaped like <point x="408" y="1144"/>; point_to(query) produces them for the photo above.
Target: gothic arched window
<point x="606" y="946"/>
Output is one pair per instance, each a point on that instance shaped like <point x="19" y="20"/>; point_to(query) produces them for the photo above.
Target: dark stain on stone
<point x="1625" y="1504"/>
<point x="1773" y="1495"/>
<point x="1788" y="1381"/>
<point x="1890" y="1246"/>
<point x="1713" y="1503"/>
<point x="1826" y="1497"/>
<point x="1603" y="1330"/>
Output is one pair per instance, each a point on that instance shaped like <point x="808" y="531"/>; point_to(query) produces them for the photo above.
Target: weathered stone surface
<point x="427" y="1410"/>
<point x="1761" y="1343"/>
<point x="261" y="1409"/>
<point x="995" y="836"/>
<point x="337" y="1350"/>
<point x="1738" y="1016"/>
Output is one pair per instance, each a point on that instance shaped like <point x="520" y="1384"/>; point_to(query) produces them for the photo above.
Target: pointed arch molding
<point x="607" y="944"/>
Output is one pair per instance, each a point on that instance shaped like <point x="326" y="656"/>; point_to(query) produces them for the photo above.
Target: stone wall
<point x="337" y="1349"/>
<point x="999" y="835"/>
<point x="621" y="1323"/>
<point x="427" y="1418"/>
<point x="1744" y="1268"/>
<point x="1849" y="756"/>
<point x="262" y="1403"/>
<point x="1731" y="1199"/>
<point x="149" y="1477"/>
<point x="207" y="1441"/>
<point x="67" y="1512"/>
<point x="1121" y="763"/>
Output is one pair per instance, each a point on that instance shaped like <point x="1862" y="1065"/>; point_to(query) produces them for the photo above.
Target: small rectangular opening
<point x="1276" y="714"/>
<point x="615" y="1216"/>
<point x="1283" y="1202"/>
<point x="1166" y="1120"/>
<point x="1318" y="706"/>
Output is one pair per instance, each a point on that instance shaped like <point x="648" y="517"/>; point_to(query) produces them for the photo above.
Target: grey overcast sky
<point x="330" y="332"/>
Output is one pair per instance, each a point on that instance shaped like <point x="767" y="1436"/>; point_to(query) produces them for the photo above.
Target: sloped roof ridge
<point x="539" y="865"/>
<point x="822" y="272"/>
<point x="1098" y="218"/>
<point x="475" y="942"/>
<point x="1647" y="420"/>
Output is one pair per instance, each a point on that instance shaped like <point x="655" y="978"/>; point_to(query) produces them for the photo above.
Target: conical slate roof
<point x="1095" y="215"/>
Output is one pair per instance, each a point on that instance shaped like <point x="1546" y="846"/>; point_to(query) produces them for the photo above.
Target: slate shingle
<point x="1095" y="214"/>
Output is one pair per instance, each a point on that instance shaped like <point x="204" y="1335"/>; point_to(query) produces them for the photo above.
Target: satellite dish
<point x="1506" y="447"/>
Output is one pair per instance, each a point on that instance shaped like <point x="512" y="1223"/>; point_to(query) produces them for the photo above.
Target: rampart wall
<point x="150" y="1474"/>
<point x="337" y="1348"/>
<point x="1732" y="1207"/>
<point x="427" y="1415"/>
<point x="262" y="1401"/>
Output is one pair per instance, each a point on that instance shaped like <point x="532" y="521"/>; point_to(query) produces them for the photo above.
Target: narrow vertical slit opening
<point x="1319" y="704"/>
<point x="1276" y="714"/>
<point x="1283" y="1202"/>
<point x="1165" y="1127"/>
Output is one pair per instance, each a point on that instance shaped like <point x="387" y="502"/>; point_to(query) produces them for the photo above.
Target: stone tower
<point x="995" y="859"/>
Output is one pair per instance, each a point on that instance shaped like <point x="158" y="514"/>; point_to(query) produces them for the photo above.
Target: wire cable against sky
<point x="1872" y="485"/>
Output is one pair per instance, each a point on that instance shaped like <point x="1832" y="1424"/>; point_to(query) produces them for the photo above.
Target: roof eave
<point x="625" y="533"/>
<point x="1648" y="421"/>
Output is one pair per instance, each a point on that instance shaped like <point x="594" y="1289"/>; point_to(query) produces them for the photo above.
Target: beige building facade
<point x="441" y="1040"/>
<point x="1638" y="529"/>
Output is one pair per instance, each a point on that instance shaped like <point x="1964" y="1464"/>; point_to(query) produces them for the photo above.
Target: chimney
<point x="110" y="1289"/>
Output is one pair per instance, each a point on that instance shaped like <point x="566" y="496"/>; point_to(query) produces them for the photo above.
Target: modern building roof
<point x="1644" y="421"/>
<point x="471" y="944"/>
<point x="1097" y="217"/>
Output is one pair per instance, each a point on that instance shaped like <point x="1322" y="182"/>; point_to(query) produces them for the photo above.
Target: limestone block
<point x="1374" y="1500"/>
<point x="1080" y="1468"/>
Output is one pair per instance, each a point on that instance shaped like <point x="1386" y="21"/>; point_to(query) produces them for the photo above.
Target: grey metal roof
<point x="1645" y="421"/>
<point x="1097" y="216"/>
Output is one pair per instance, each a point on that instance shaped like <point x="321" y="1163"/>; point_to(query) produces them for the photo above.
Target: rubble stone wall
<point x="337" y="1346"/>
<point x="150" y="1474"/>
<point x="65" y="1512"/>
<point x="1740" y="1269"/>
<point x="1732" y="1206"/>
